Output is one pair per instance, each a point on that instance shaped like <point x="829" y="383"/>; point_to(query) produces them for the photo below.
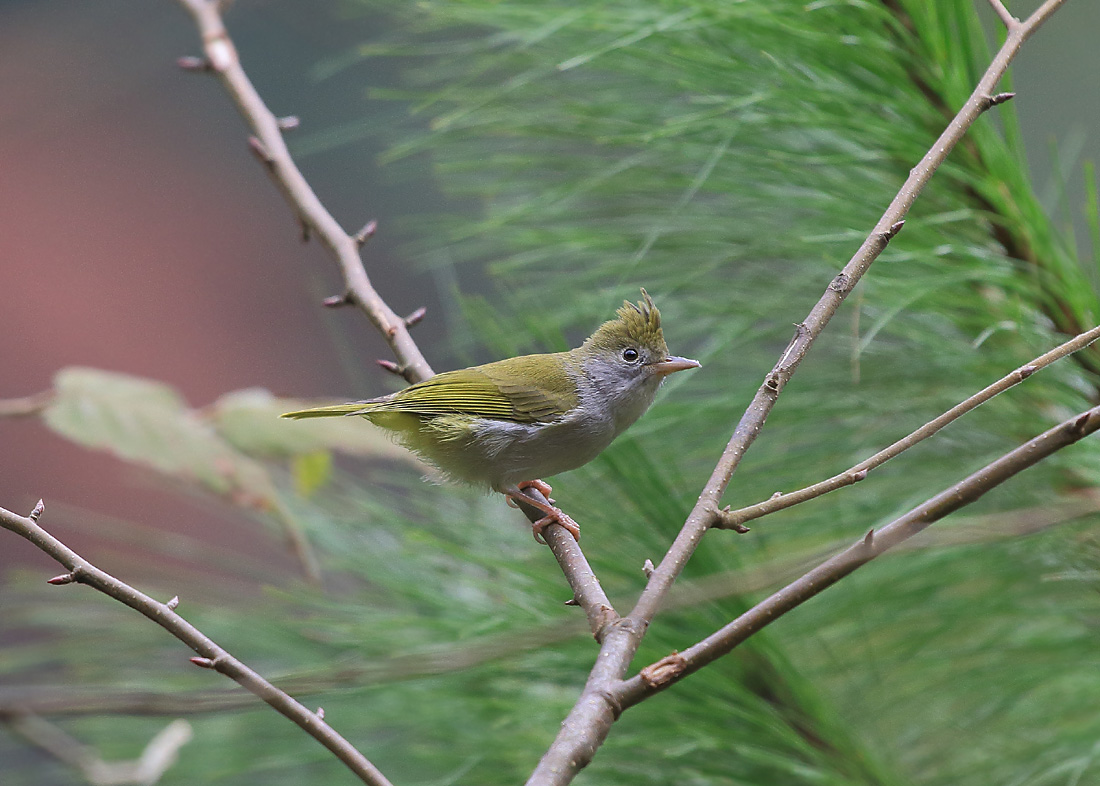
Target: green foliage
<point x="728" y="157"/>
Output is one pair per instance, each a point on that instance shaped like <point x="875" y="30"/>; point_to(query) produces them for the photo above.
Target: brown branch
<point x="148" y="768"/>
<point x="1009" y="20"/>
<point x="268" y="145"/>
<point x="731" y="519"/>
<point x="26" y="406"/>
<point x="864" y="550"/>
<point x="587" y="591"/>
<point x="588" y="723"/>
<point x="210" y="654"/>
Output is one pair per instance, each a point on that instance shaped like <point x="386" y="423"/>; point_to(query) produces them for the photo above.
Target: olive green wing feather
<point x="526" y="389"/>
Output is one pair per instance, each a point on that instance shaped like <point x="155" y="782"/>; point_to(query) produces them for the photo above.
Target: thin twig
<point x="1010" y="21"/>
<point x="588" y="723"/>
<point x="871" y="545"/>
<point x="210" y="654"/>
<point x="147" y="769"/>
<point x="26" y="406"/>
<point x="268" y="144"/>
<point x="732" y="519"/>
<point x="112" y="700"/>
<point x="587" y="591"/>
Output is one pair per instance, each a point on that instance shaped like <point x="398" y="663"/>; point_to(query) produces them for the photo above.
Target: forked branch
<point x="731" y="519"/>
<point x="587" y="725"/>
<point x="660" y="675"/>
<point x="270" y="148"/>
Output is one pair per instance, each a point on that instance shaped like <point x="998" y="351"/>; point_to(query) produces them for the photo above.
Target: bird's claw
<point x="541" y="486"/>
<point x="557" y="517"/>
<point x="553" y="515"/>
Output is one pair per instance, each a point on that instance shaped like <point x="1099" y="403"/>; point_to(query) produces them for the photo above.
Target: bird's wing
<point x="505" y="390"/>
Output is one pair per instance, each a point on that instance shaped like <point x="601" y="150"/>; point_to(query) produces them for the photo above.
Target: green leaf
<point x="148" y="423"/>
<point x="249" y="420"/>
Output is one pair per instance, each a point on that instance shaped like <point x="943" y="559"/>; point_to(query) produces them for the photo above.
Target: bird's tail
<point x="336" y="410"/>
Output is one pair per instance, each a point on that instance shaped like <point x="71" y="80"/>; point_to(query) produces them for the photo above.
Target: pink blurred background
<point x="139" y="235"/>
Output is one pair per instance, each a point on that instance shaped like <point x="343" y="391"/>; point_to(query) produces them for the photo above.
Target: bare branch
<point x="728" y="519"/>
<point x="588" y="724"/>
<point x="268" y="144"/>
<point x="587" y="591"/>
<point x="159" y="754"/>
<point x="1009" y="20"/>
<point x="83" y="572"/>
<point x="866" y="549"/>
<point x="25" y="406"/>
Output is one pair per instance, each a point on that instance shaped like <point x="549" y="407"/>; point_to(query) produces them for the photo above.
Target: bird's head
<point x="626" y="359"/>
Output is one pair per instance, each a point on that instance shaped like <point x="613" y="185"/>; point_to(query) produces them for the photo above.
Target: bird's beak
<point x="671" y="364"/>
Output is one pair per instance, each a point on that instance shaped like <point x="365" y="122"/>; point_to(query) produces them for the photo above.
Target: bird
<point x="505" y="425"/>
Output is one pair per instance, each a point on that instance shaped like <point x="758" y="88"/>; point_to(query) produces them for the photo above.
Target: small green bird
<point x="508" y="423"/>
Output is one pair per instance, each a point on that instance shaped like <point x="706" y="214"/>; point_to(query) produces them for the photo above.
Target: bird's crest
<point x="637" y="322"/>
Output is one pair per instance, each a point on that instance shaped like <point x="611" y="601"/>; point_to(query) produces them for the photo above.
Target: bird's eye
<point x="630" y="355"/>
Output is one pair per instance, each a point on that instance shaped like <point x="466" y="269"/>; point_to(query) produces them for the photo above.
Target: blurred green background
<point x="531" y="164"/>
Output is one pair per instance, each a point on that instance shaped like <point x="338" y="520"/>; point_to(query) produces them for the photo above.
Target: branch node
<point x="416" y="316"/>
<point x="320" y="713"/>
<point x="1077" y="427"/>
<point x="612" y="702"/>
<point x="772" y="382"/>
<point x="648" y="568"/>
<point x="725" y="521"/>
<point x="776" y="495"/>
<point x="205" y="663"/>
<point x="860" y="475"/>
<point x="1023" y="372"/>
<point x="336" y="301"/>
<point x="999" y="98"/>
<point x="192" y="63"/>
<point x="259" y="149"/>
<point x="841" y="283"/>
<point x="663" y="671"/>
<point x="63" y="579"/>
<point x="366" y="233"/>
<point x="173" y="603"/>
<point x="391" y="367"/>
<point x="572" y="602"/>
<point x="288" y="123"/>
<point x="39" y="509"/>
<point x="869" y="538"/>
<point x="890" y="232"/>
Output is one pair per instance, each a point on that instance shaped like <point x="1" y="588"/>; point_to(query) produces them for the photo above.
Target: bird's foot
<point x="541" y="486"/>
<point x="553" y="515"/>
<point x="557" y="517"/>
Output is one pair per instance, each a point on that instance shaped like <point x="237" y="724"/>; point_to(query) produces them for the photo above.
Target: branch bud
<point x="192" y="63"/>
<point x="366" y="233"/>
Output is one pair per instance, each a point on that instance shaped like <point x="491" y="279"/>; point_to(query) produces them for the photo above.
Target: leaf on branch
<point x="147" y="422"/>
<point x="249" y="420"/>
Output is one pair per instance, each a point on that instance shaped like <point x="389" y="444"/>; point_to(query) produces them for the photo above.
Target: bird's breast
<point x="523" y="451"/>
